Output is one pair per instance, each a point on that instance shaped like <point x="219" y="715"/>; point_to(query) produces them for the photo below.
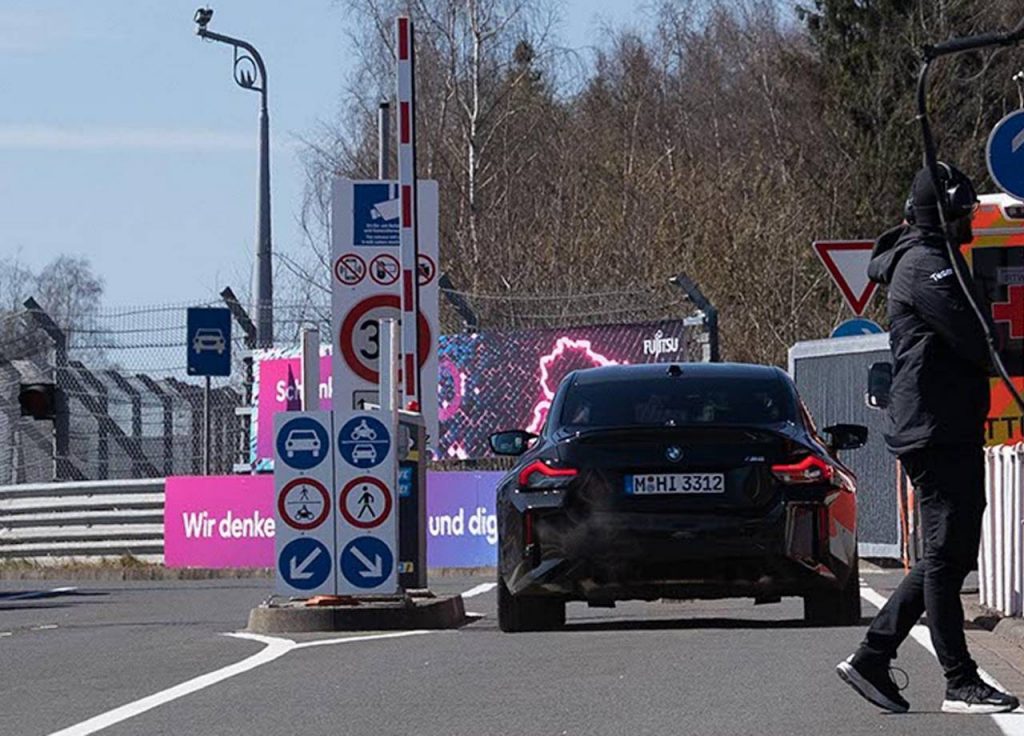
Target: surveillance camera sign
<point x="375" y="211"/>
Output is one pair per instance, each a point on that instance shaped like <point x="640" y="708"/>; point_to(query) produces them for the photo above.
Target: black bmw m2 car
<point x="682" y="481"/>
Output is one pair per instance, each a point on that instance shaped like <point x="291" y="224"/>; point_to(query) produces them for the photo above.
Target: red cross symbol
<point x="1012" y="311"/>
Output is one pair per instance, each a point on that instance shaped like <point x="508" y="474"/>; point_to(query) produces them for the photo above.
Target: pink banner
<point x="219" y="521"/>
<point x="280" y="389"/>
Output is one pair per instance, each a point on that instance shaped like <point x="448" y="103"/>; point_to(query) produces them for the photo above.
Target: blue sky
<point x="124" y="139"/>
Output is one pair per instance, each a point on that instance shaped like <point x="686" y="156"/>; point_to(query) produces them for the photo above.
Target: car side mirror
<point x="879" y="385"/>
<point x="846" y="436"/>
<point x="511" y="442"/>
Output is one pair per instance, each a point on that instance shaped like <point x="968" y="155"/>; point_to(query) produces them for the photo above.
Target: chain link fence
<point x="128" y="409"/>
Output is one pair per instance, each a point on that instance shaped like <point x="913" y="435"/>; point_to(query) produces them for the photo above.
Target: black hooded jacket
<point x="941" y="363"/>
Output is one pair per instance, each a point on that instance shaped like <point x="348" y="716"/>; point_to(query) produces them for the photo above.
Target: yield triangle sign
<point x="847" y="263"/>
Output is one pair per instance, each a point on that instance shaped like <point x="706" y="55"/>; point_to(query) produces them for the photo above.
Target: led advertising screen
<point x="490" y="381"/>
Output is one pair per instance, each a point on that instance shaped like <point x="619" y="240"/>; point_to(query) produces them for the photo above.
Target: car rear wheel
<point x="836" y="607"/>
<point x="528" y="613"/>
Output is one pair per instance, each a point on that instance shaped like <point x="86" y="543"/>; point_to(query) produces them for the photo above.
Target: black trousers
<point x="950" y="483"/>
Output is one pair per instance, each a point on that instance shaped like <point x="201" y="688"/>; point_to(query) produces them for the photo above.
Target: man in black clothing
<point x="938" y="406"/>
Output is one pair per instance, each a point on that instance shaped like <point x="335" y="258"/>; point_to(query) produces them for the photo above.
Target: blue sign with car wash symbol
<point x="364" y="441"/>
<point x="1005" y="154"/>
<point x="303" y="443"/>
<point x="375" y="214"/>
<point x="305" y="563"/>
<point x="367" y="562"/>
<point x="208" y="337"/>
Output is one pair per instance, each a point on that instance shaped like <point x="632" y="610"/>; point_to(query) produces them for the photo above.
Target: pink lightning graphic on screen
<point x="563" y="346"/>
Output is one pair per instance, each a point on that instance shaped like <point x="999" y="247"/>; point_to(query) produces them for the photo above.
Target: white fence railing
<point x="1000" y="575"/>
<point x="59" y="521"/>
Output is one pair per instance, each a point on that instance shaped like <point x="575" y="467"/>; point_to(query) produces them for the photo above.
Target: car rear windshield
<point x="677" y="401"/>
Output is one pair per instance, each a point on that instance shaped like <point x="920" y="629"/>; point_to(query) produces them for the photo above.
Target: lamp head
<point x="202" y="18"/>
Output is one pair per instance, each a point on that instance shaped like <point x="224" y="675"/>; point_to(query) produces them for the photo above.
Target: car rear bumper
<point x="786" y="551"/>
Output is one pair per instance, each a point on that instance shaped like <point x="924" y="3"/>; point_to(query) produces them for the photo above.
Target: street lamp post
<point x="251" y="74"/>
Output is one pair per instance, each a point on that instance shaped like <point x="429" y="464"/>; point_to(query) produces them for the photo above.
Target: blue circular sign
<point x="305" y="563"/>
<point x="364" y="441"/>
<point x="857" y="328"/>
<point x="1005" y="154"/>
<point x="366" y="562"/>
<point x="303" y="443"/>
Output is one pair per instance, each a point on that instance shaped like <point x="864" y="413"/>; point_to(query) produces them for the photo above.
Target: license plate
<point x="659" y="483"/>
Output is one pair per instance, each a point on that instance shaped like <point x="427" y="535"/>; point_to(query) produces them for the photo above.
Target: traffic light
<point x="38" y="400"/>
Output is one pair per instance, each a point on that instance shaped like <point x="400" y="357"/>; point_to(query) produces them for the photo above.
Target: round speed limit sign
<point x="359" y="337"/>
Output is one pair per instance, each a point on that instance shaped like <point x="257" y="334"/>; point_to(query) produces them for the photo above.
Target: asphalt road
<point x="723" y="667"/>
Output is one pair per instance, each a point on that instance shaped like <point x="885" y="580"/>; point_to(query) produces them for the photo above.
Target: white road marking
<point x="1011" y="724"/>
<point x="480" y="590"/>
<point x="368" y="637"/>
<point x="44" y="627"/>
<point x="274" y="649"/>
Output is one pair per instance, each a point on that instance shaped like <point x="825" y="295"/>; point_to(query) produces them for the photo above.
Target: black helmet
<point x="922" y="207"/>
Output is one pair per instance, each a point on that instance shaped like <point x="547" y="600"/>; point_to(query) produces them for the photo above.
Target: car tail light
<point x="810" y="469"/>
<point x="539" y="476"/>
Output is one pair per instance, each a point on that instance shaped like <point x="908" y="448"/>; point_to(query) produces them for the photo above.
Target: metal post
<point x="264" y="274"/>
<point x="388" y="365"/>
<point x="384" y="141"/>
<point x="62" y="469"/>
<point x="206" y="427"/>
<point x="310" y="369"/>
<point x="710" y="318"/>
<point x="251" y="73"/>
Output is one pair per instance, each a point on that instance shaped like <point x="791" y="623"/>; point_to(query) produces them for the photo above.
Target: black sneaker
<point x="978" y="696"/>
<point x="874" y="683"/>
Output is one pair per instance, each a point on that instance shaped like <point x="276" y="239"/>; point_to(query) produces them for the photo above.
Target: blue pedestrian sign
<point x="208" y="340"/>
<point x="367" y="562"/>
<point x="375" y="210"/>
<point x="856" y="328"/>
<point x="1005" y="154"/>
<point x="303" y="443"/>
<point x="364" y="441"/>
<point x="305" y="563"/>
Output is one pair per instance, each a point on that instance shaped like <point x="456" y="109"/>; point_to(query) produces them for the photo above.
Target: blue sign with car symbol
<point x="208" y="340"/>
<point x="303" y="443"/>
<point x="364" y="441"/>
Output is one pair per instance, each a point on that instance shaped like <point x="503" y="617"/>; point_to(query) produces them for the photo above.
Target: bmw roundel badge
<point x="674" y="454"/>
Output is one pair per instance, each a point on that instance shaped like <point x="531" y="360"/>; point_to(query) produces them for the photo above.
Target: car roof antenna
<point x="675" y="370"/>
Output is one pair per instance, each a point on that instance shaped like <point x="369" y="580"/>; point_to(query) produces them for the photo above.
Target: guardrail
<point x="1000" y="573"/>
<point x="45" y="522"/>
